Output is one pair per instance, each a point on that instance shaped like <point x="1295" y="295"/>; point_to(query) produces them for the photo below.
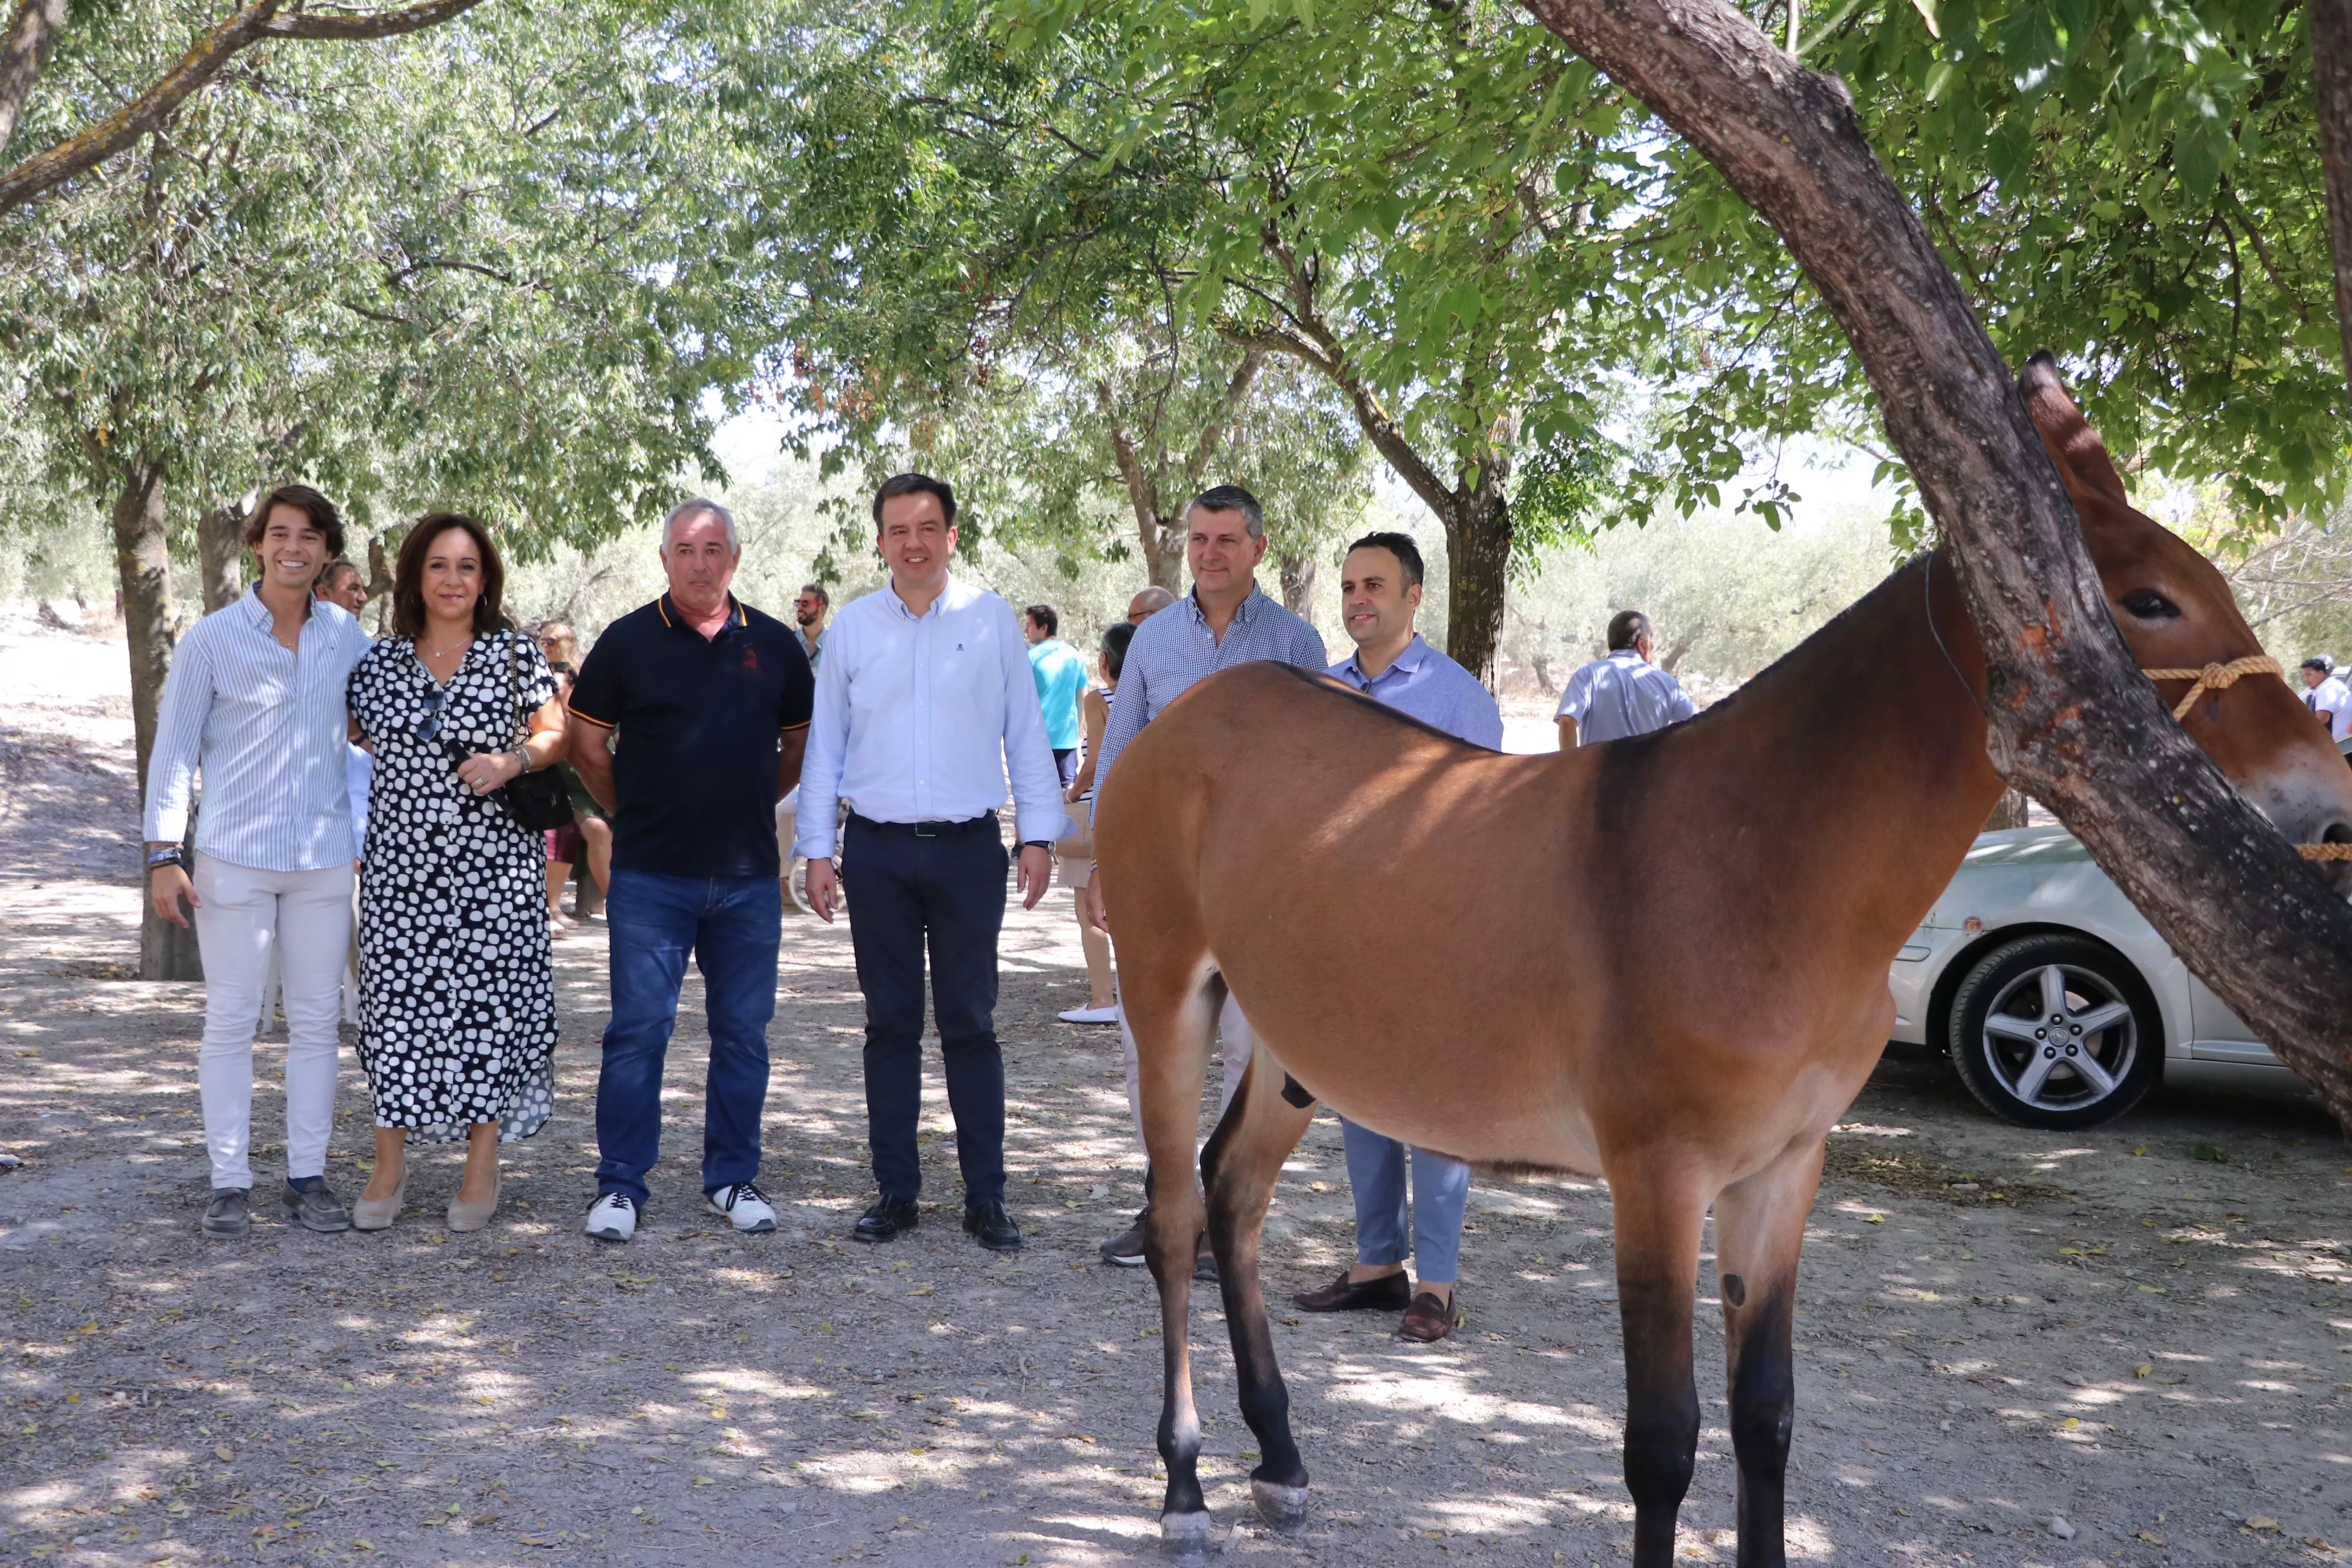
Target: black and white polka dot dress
<point x="456" y="985"/>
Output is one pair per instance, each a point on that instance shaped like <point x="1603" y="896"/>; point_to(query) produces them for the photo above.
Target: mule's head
<point x="2176" y="611"/>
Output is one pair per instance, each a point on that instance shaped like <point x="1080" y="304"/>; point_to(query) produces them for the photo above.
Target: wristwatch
<point x="1044" y="844"/>
<point x="170" y="855"/>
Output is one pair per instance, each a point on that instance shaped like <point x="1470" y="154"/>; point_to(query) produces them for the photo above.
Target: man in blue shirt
<point x="925" y="705"/>
<point x="1224" y="621"/>
<point x="1061" y="676"/>
<point x="1380" y="593"/>
<point x="255" y="703"/>
<point x="710" y="700"/>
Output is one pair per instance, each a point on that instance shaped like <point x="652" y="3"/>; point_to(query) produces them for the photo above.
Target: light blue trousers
<point x="1431" y="1235"/>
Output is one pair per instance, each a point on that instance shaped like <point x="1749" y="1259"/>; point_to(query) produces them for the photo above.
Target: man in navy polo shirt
<point x="708" y="702"/>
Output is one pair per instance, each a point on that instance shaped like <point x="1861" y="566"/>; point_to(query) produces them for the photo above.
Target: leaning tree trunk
<point x="1163" y="555"/>
<point x="2074" y="724"/>
<point x="1298" y="585"/>
<point x="1477" y="575"/>
<point x="220" y="555"/>
<point x="143" y="564"/>
<point x="2331" y="69"/>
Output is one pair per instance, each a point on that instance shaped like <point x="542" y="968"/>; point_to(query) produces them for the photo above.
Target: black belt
<point x="929" y="829"/>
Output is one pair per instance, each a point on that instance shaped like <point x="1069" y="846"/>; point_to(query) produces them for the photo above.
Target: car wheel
<point x="2055" y="1032"/>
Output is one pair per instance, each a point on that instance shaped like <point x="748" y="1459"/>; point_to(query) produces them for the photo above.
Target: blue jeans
<point x="1441" y="1190"/>
<point x="732" y="925"/>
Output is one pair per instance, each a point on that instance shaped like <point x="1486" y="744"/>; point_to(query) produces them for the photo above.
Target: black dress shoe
<point x="1344" y="1295"/>
<point x="990" y="1225"/>
<point x="888" y="1220"/>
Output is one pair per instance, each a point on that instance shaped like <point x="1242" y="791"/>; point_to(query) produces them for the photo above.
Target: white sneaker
<point x="745" y="1207"/>
<point x="611" y="1217"/>
<point x="1090" y="1015"/>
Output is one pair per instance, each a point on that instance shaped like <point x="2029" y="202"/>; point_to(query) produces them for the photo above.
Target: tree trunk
<point x="143" y="564"/>
<point x="220" y="555"/>
<point x="1298" y="585"/>
<point x="1477" y="567"/>
<point x="2331" y="63"/>
<point x="2008" y="811"/>
<point x="2074" y="722"/>
<point x="1163" y="555"/>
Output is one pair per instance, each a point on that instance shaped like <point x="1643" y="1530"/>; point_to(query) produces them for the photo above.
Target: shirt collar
<point x="259" y="612"/>
<point x="1243" y="612"/>
<point x="673" y="616"/>
<point x="1632" y="654"/>
<point x="949" y="597"/>
<point x="1407" y="662"/>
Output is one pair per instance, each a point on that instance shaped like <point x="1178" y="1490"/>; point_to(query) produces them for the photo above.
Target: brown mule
<point x="1662" y="961"/>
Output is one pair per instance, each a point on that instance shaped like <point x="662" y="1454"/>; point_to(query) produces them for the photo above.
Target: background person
<point x="925" y="706"/>
<point x="1061" y="677"/>
<point x="1148" y="602"/>
<point x="1622" y="694"/>
<point x="566" y="846"/>
<point x="1379" y="596"/>
<point x="341" y="584"/>
<point x="706" y="703"/>
<point x="456" y="986"/>
<point x="1077" y="853"/>
<point x="809" y="611"/>
<point x="254" y="703"/>
<point x="2325" y="694"/>
<point x="1223" y="622"/>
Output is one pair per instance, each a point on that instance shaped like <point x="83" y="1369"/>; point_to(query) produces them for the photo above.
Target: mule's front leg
<point x="1657" y="1285"/>
<point x="1170" y="1237"/>
<point x="1759" y="1227"/>
<point x="1239" y="1168"/>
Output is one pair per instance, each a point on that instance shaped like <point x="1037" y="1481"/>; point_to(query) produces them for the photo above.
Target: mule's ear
<point x="2074" y="446"/>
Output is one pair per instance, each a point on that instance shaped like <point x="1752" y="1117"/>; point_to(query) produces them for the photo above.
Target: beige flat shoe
<point x="464" y="1216"/>
<point x="377" y="1214"/>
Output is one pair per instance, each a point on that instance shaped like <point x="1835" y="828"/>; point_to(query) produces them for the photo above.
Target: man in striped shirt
<point x="1225" y="620"/>
<point x="255" y="703"/>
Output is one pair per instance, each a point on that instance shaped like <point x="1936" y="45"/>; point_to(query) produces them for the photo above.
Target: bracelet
<point x="173" y="855"/>
<point x="521" y="755"/>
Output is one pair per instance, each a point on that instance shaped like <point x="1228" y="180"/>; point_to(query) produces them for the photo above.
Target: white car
<point x="2057" y="1000"/>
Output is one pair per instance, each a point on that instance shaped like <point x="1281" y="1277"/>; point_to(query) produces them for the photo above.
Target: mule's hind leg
<point x="1239" y="1167"/>
<point x="1173" y="1016"/>
<point x="1658" y="1225"/>
<point x="1760" y="1227"/>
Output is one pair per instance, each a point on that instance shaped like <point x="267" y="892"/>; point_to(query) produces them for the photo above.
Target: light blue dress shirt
<point x="1623" y="695"/>
<point x="1061" y="676"/>
<point x="921" y="719"/>
<point x="1174" y="649"/>
<point x="268" y="729"/>
<point x="1434" y="689"/>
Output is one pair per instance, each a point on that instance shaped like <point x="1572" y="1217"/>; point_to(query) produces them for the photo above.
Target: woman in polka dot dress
<point x="456" y="989"/>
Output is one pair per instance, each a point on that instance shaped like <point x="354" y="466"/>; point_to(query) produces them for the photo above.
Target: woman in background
<point x="456" y="985"/>
<point x="1078" y="851"/>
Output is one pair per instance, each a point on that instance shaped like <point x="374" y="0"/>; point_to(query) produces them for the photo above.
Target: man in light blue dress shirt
<point x="1225" y="620"/>
<point x="1623" y="695"/>
<point x="255" y="703"/>
<point x="1380" y="593"/>
<point x="924" y="706"/>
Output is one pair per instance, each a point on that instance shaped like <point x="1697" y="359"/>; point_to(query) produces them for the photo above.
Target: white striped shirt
<point x="267" y="730"/>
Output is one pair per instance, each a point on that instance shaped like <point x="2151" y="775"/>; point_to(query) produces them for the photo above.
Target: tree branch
<point x="2331" y="71"/>
<point x="1237" y="393"/>
<point x="205" y="59"/>
<point x="23" y="52"/>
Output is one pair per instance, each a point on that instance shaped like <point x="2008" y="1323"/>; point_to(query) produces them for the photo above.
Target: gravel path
<point x="2142" y="1330"/>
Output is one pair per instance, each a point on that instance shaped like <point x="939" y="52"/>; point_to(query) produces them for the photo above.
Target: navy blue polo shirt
<point x="698" y="721"/>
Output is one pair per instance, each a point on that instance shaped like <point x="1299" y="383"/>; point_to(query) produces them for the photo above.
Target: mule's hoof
<point x="1283" y="1507"/>
<point x="1185" y="1534"/>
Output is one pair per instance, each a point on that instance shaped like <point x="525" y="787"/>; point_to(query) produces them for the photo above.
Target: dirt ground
<point x="2142" y="1330"/>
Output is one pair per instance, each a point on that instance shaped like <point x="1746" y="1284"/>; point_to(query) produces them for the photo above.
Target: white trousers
<point x="244" y="919"/>
<point x="1234" y="1038"/>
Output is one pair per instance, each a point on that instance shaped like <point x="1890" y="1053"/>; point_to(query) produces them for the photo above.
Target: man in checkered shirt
<point x="1225" y="620"/>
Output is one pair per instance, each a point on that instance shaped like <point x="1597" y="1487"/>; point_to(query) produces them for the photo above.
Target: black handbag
<point x="537" y="800"/>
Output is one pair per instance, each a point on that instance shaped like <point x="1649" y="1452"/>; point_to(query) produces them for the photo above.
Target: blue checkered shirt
<point x="1175" y="648"/>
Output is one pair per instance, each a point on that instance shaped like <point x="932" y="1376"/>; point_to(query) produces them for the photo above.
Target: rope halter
<point x="2220" y="678"/>
<point x="2215" y="678"/>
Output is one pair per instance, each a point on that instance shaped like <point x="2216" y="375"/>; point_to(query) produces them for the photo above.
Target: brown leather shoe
<point x="1389" y="1292"/>
<point x="1428" y="1320"/>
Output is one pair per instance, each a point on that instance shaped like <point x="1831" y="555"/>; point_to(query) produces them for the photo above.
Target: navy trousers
<point x="941" y="889"/>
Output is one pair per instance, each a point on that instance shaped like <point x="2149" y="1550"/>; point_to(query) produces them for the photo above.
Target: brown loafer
<point x="1428" y="1320"/>
<point x="1388" y="1292"/>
